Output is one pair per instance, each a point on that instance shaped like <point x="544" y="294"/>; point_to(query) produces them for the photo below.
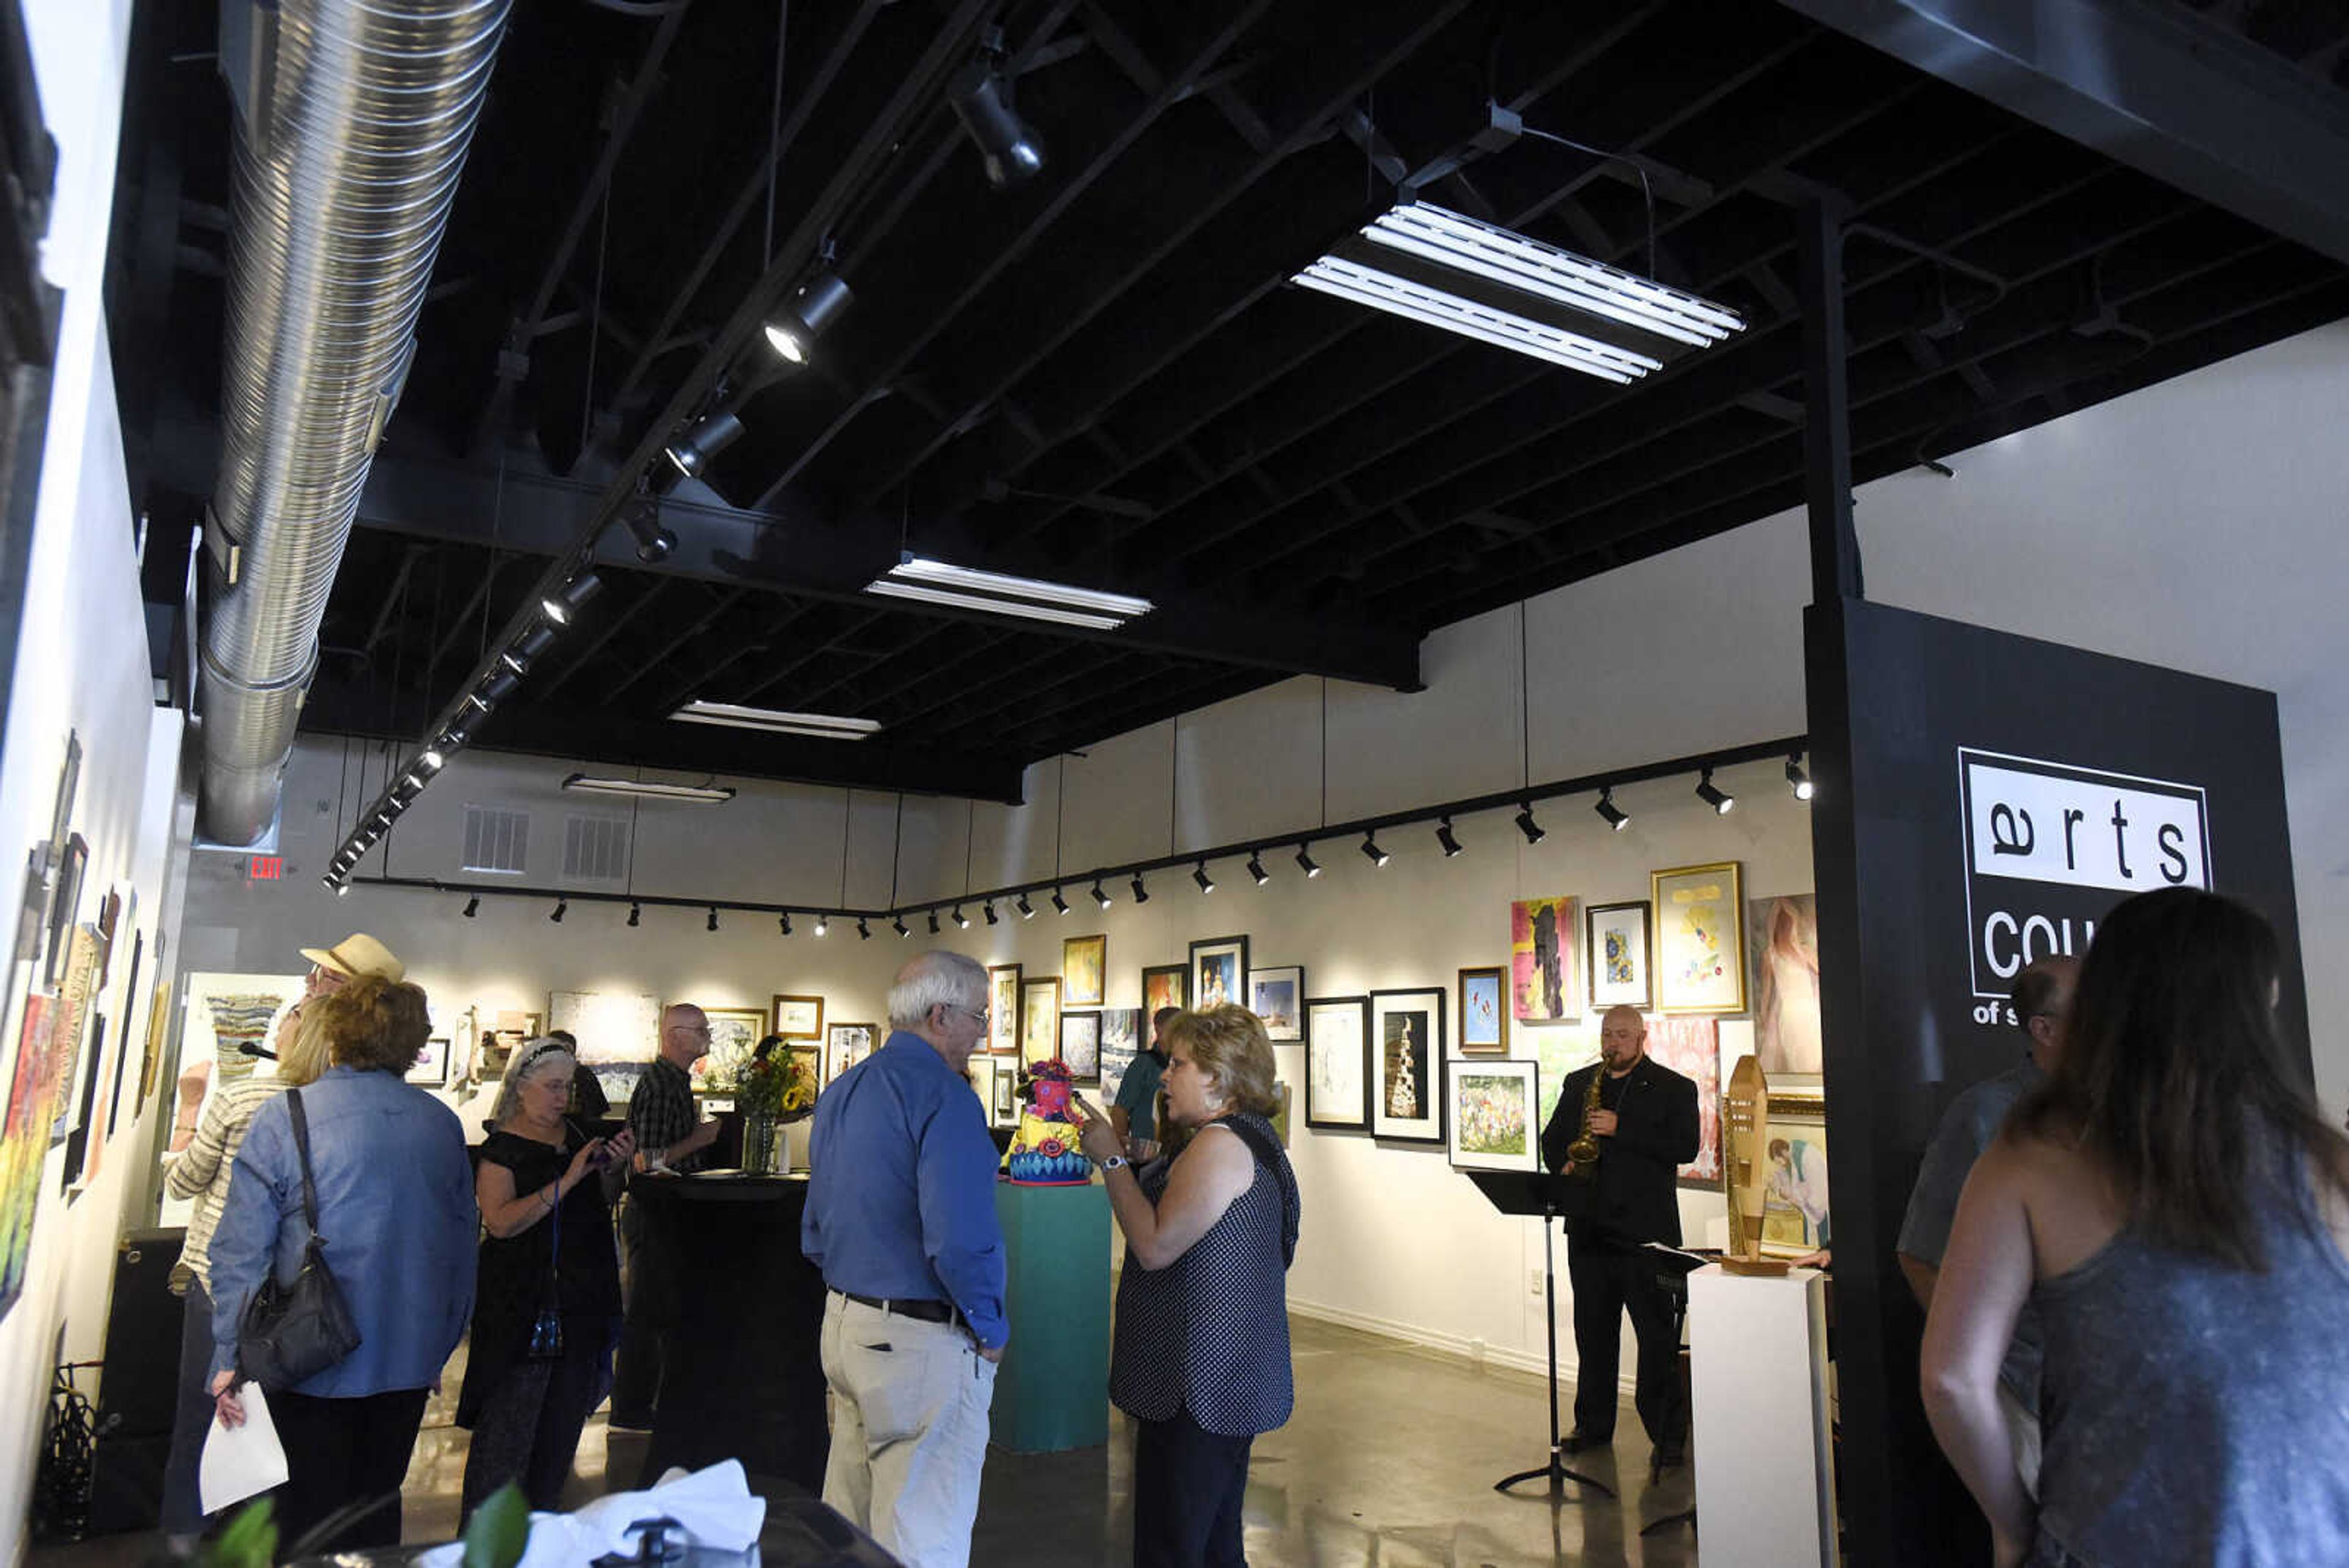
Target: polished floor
<point x="1390" y="1459"/>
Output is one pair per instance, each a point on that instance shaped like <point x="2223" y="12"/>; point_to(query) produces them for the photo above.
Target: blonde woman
<point x="1201" y="1353"/>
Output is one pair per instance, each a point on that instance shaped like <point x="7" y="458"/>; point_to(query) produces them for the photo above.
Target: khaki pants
<point x="909" y="1425"/>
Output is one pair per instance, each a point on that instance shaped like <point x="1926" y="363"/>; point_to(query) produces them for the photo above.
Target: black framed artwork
<point x="1408" y="1082"/>
<point x="1219" y="971"/>
<point x="1338" y="1064"/>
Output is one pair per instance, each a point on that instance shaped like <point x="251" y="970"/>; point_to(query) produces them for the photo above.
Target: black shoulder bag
<point x="291" y="1334"/>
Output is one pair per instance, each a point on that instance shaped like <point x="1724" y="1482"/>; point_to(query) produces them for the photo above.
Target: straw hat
<point x="356" y="955"/>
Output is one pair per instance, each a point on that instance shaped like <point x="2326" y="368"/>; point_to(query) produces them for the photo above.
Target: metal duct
<point x="354" y="120"/>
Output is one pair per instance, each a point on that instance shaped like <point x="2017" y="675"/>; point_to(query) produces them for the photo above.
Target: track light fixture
<point x="961" y="921"/>
<point x="641" y="518"/>
<point x="792" y="334"/>
<point x="1141" y="893"/>
<point x="1199" y="875"/>
<point x="934" y="923"/>
<point x="430" y="762"/>
<point x="1446" y="840"/>
<point x="566" y="601"/>
<point x="1010" y="149"/>
<point x="783" y="922"/>
<point x="864" y="930"/>
<point x="1714" y="796"/>
<point x="690" y="453"/>
<point x="342" y="889"/>
<point x="897" y="924"/>
<point x="712" y="923"/>
<point x="636" y="913"/>
<point x="1027" y="910"/>
<point x="1378" y="856"/>
<point x="562" y="907"/>
<point x="992" y="918"/>
<point x="1799" y="781"/>
<point x="1255" y="868"/>
<point x="1534" y="831"/>
<point x="472" y="906"/>
<point x="1100" y="898"/>
<point x="1060" y="903"/>
<point x="502" y="683"/>
<point x="1613" y="815"/>
<point x="822" y="924"/>
<point x="1305" y="862"/>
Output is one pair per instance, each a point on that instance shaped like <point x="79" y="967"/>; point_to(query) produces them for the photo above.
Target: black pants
<point x="1188" y="1485"/>
<point x="528" y="1429"/>
<point x="341" y="1452"/>
<point x="1608" y="1280"/>
<point x="649" y="1292"/>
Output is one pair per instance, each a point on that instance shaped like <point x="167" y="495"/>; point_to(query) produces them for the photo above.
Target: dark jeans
<point x="341" y="1452"/>
<point x="182" y="1510"/>
<point x="528" y="1430"/>
<point x="1610" y="1279"/>
<point x="650" y="1290"/>
<point x="1188" y="1485"/>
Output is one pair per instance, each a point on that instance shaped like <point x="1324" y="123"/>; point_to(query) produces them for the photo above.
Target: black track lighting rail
<point x="1700" y="763"/>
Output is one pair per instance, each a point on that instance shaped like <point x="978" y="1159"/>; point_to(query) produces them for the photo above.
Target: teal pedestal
<point x="1052" y="1393"/>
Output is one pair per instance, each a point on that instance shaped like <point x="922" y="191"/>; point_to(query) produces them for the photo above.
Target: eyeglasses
<point x="980" y="1013"/>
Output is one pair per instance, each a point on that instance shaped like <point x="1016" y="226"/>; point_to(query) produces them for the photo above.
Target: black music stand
<point x="1673" y="1266"/>
<point x="1533" y="1192"/>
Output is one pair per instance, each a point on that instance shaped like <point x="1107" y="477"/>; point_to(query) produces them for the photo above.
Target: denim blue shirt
<point x="396" y="1208"/>
<point x="901" y="1197"/>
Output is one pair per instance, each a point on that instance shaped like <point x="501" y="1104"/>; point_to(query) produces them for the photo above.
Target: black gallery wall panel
<point x="2001" y="793"/>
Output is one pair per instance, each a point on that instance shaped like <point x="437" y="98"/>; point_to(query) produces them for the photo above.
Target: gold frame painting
<point x="799" y="1025"/>
<point x="1040" y="1033"/>
<point x="1084" y="970"/>
<point x="1699" y="934"/>
<point x="1003" y="1009"/>
<point x="1795" y="1217"/>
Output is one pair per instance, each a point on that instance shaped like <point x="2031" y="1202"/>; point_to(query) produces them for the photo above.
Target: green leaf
<point x="499" y="1529"/>
<point x="249" y="1542"/>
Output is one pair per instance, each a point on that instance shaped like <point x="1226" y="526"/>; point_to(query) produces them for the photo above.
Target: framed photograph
<point x="1482" y="1020"/>
<point x="1121" y="1027"/>
<point x="1795" y="1212"/>
<point x="799" y="1017"/>
<point x="431" y="1069"/>
<point x="1618" y="947"/>
<point x="1691" y="1046"/>
<point x="847" y="1045"/>
<point x="1542" y="971"/>
<point x="1700" y="938"/>
<point x="1003" y="1009"/>
<point x="1006" y="1108"/>
<point x="1165" y="985"/>
<point x="1408" y="1046"/>
<point x="1080" y="1037"/>
<point x="1338" y="1064"/>
<point x="1496" y="1122"/>
<point x="1277" y="996"/>
<point x="1219" y="971"/>
<point x="734" y="1033"/>
<point x="1084" y="970"/>
<point x="1040" y="1019"/>
<point x="65" y="903"/>
<point x="983" y="1069"/>
<point x="1786" y="985"/>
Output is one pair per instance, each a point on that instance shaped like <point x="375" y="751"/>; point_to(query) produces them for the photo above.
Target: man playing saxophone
<point x="1625" y="1125"/>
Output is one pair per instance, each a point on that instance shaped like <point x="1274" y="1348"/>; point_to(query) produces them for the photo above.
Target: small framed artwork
<point x="1081" y="1045"/>
<point x="1338" y="1064"/>
<point x="1040" y="1019"/>
<point x="1006" y="1094"/>
<point x="65" y="901"/>
<point x="734" y="1033"/>
<point x="844" y="1045"/>
<point x="983" y="1069"/>
<point x="1120" y="1027"/>
<point x="1495" y="1120"/>
<point x="1700" y="926"/>
<point x="1219" y="971"/>
<point x="1795" y="1212"/>
<point x="1407" y="1045"/>
<point x="1690" y="1044"/>
<point x="1003" y="1009"/>
<point x="1165" y="985"/>
<point x="1543" y="976"/>
<point x="1084" y="970"/>
<point x="799" y="1017"/>
<point x="432" y="1068"/>
<point x="1618" y="948"/>
<point x="1482" y="1004"/>
<point x="1277" y="996"/>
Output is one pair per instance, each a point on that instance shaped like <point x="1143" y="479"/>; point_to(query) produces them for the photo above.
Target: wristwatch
<point x="1114" y="1162"/>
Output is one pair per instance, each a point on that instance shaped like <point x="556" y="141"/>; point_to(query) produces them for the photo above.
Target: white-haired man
<point x="901" y="1220"/>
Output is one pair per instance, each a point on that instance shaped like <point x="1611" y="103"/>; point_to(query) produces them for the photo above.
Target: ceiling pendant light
<point x="1714" y="796"/>
<point x="1613" y="815"/>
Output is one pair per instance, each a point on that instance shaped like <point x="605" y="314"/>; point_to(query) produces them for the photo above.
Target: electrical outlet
<point x="1534" y="1284"/>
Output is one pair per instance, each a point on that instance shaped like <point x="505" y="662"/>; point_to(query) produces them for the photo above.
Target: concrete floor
<point x="1390" y="1459"/>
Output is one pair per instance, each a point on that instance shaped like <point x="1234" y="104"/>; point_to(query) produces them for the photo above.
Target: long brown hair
<point x="2174" y="1078"/>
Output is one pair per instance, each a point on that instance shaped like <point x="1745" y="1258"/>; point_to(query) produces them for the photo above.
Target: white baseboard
<point x="1476" y="1352"/>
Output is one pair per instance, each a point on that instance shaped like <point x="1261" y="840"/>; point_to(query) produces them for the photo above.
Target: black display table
<point x="741" y="1375"/>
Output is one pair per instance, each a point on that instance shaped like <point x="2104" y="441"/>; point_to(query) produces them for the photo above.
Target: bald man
<point x="1646" y="1125"/>
<point x="670" y="1138"/>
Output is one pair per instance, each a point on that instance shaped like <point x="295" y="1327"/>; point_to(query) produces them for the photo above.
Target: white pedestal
<point x="1758" y="1373"/>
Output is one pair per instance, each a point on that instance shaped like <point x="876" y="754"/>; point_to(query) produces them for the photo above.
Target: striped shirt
<point x="201" y="1170"/>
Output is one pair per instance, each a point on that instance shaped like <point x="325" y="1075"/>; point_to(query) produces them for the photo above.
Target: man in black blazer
<point x="1647" y="1128"/>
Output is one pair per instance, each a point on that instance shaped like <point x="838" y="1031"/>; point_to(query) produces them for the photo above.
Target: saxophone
<point x="1582" y="1154"/>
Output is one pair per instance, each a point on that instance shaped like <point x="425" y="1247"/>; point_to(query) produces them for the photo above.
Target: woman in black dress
<point x="546" y="1309"/>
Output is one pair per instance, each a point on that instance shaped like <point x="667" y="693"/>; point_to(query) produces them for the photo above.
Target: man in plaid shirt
<point x="670" y="1138"/>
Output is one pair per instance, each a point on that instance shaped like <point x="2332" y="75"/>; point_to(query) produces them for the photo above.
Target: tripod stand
<point x="1527" y="1192"/>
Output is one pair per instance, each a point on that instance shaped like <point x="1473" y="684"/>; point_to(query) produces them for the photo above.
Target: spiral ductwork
<point x="355" y="120"/>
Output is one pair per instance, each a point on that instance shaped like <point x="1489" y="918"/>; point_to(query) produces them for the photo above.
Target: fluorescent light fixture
<point x="925" y="581"/>
<point x="774" y="722"/>
<point x="649" y="789"/>
<point x="1429" y="264"/>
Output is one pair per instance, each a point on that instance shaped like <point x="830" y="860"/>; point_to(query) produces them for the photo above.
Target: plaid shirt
<point x="661" y="1111"/>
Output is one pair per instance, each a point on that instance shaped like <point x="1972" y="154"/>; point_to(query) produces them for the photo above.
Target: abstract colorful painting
<point x="1494" y="1106"/>
<point x="1085" y="969"/>
<point x="1700" y="938"/>
<point x="226" y="1012"/>
<point x="1786" y="984"/>
<point x="1691" y="1047"/>
<point x="1164" y="985"/>
<point x="25" y="1141"/>
<point x="1543" y="974"/>
<point x="1618" y="946"/>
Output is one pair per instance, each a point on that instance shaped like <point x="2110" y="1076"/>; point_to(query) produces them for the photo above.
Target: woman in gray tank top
<point x="2178" y="1210"/>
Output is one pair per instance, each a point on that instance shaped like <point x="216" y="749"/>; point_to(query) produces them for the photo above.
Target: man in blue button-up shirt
<point x="901" y="1220"/>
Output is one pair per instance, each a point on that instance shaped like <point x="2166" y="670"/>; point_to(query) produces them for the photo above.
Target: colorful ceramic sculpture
<point x="1045" y="1151"/>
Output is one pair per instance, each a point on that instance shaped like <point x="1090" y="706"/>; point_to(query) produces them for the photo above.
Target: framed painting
<point x="1165" y="985"/>
<point x="1219" y="970"/>
<point x="1080" y="1036"/>
<point x="1084" y="970"/>
<point x="1691" y="1047"/>
<point x="1482" y="1019"/>
<point x="734" y="1034"/>
<point x="1040" y="1019"/>
<point x="1795" y="1218"/>
<point x="1006" y="1108"/>
<point x="1616" y="944"/>
<point x="25" y="1141"/>
<point x="65" y="903"/>
<point x="1700" y="938"/>
<point x="1542" y="970"/>
<point x="799" y="1017"/>
<point x="1407" y="1042"/>
<point x="1496" y="1120"/>
<point x="1785" y="976"/>
<point x="610" y="1025"/>
<point x="1003" y="1009"/>
<point x="1277" y="996"/>
<point x="618" y="1080"/>
<point x="844" y="1045"/>
<point x="432" y="1068"/>
<point x="159" y="1010"/>
<point x="982" y="1071"/>
<point x="1338" y="1064"/>
<point x="228" y="1017"/>
<point x="1121" y="1027"/>
<point x="77" y="1004"/>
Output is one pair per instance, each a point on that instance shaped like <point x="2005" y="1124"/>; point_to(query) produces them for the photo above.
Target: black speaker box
<point x="138" y="1387"/>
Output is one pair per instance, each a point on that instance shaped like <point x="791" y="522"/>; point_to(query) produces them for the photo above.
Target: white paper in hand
<point x="240" y="1462"/>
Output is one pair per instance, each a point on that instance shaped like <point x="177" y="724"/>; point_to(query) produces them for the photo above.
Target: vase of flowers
<point x="771" y="1091"/>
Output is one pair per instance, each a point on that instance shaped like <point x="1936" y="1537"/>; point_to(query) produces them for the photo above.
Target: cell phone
<point x="600" y="1156"/>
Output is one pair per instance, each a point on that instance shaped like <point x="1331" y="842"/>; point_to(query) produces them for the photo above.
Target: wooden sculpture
<point x="1745" y="1168"/>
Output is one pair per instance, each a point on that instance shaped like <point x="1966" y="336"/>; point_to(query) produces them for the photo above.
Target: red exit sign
<point x="265" y="869"/>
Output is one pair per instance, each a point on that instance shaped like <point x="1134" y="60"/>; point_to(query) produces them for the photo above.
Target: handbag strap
<point x="302" y="1148"/>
